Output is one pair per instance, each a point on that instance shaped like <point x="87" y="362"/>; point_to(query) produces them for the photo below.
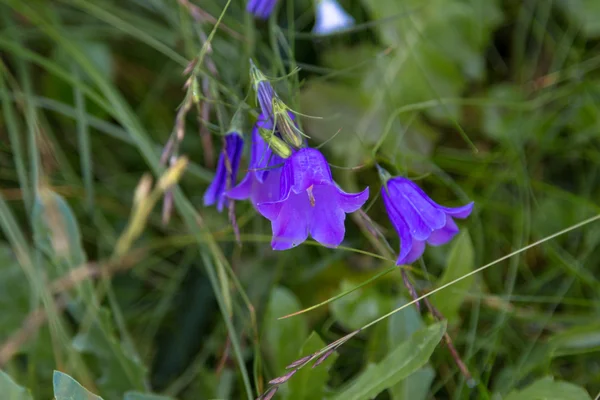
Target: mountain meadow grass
<point x="117" y="282"/>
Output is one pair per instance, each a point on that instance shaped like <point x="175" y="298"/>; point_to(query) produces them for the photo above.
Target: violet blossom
<point x="260" y="8"/>
<point x="418" y="219"/>
<point x="227" y="168"/>
<point x="261" y="183"/>
<point x="309" y="202"/>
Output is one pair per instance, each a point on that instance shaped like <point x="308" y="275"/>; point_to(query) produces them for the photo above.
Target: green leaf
<point x="360" y="307"/>
<point x="549" y="389"/>
<point x="309" y="383"/>
<point x="67" y="388"/>
<point x="144" y="396"/>
<point x="400" y="328"/>
<point x="10" y="390"/>
<point x="438" y="46"/>
<point x="415" y="386"/>
<point x="407" y="358"/>
<point x="284" y="336"/>
<point x="461" y="261"/>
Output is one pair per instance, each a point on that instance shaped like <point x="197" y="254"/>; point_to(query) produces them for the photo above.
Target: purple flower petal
<point x="458" y="212"/>
<point x="290" y="228"/>
<point x="416" y="251"/>
<point x="327" y="222"/>
<point x="350" y="202"/>
<point x="261" y="8"/>
<point x="308" y="168"/>
<point x="422" y="217"/>
<point x="309" y="202"/>
<point x="227" y="168"/>
<point x="401" y="228"/>
<point x="418" y="219"/>
<point x="444" y="235"/>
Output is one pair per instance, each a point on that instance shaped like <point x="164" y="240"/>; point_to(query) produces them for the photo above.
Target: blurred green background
<point x="493" y="101"/>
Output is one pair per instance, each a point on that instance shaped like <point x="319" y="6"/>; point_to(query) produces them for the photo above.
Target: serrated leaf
<point x="284" y="336"/>
<point x="11" y="390"/>
<point x="461" y="261"/>
<point x="549" y="389"/>
<point x="145" y="396"/>
<point x="67" y="388"/>
<point x="407" y="358"/>
<point x="309" y="383"/>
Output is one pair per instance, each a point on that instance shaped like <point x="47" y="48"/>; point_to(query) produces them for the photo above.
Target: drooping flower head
<point x="260" y="8"/>
<point x="261" y="183"/>
<point x="227" y="169"/>
<point x="264" y="91"/>
<point x="275" y="111"/>
<point x="418" y="219"/>
<point x="309" y="202"/>
<point x="330" y="18"/>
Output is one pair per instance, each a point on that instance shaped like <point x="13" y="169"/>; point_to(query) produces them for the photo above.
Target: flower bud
<point x="285" y="126"/>
<point x="275" y="143"/>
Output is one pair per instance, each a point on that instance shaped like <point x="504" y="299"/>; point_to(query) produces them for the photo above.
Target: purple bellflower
<point x="418" y="219"/>
<point x="227" y="168"/>
<point x="260" y="8"/>
<point x="261" y="183"/>
<point x="309" y="202"/>
<point x="264" y="91"/>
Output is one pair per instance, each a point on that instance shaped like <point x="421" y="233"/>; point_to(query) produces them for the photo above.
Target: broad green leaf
<point x="121" y="370"/>
<point x="309" y="383"/>
<point x="67" y="388"/>
<point x="460" y="262"/>
<point x="10" y="390"/>
<point x="284" y="336"/>
<point x="360" y="307"/>
<point x="549" y="389"/>
<point x="144" y="396"/>
<point x="407" y="358"/>
<point x="415" y="386"/>
<point x="400" y="328"/>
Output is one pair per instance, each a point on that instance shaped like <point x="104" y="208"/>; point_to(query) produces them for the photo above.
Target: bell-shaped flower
<point x="418" y="219"/>
<point x="310" y="202"/>
<point x="265" y="95"/>
<point x="227" y="169"/>
<point x="260" y="8"/>
<point x="330" y="18"/>
<point x="261" y="183"/>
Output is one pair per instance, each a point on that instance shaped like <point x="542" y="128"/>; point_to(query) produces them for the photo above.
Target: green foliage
<point x="461" y="261"/>
<point x="494" y="102"/>
<point x="549" y="389"/>
<point x="310" y="383"/>
<point x="67" y="388"/>
<point x="406" y="359"/>
<point x="10" y="390"/>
